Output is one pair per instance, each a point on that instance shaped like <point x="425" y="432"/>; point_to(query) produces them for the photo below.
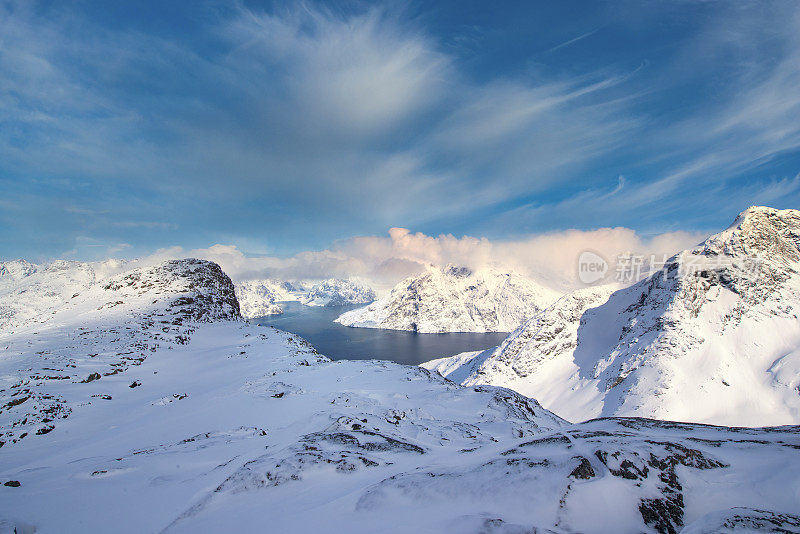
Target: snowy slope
<point x="32" y="292"/>
<point x="455" y="299"/>
<point x="714" y="337"/>
<point x="338" y="292"/>
<point x="28" y="292"/>
<point x="148" y="405"/>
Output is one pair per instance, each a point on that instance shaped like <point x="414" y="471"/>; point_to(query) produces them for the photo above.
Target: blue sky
<point x="282" y="127"/>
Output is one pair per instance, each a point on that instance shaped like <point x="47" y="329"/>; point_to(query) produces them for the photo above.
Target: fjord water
<point x="315" y="324"/>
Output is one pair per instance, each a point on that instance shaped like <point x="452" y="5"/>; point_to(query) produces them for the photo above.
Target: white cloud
<point x="385" y="260"/>
<point x="361" y="116"/>
<point x="358" y="76"/>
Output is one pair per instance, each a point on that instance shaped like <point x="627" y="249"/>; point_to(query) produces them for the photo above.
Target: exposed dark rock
<point x="741" y="519"/>
<point x="91" y="378"/>
<point x="584" y="471"/>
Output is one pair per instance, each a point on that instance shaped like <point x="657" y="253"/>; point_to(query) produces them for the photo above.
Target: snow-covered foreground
<point x="145" y="404"/>
<point x="455" y="299"/>
<point x="713" y="337"/>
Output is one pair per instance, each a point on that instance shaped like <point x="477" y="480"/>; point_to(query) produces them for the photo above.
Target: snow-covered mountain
<point x="713" y="337"/>
<point x="455" y="299"/>
<point x="259" y="298"/>
<point x="146" y="404"/>
<point x="338" y="292"/>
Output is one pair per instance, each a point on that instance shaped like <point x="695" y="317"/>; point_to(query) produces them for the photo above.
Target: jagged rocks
<point x="584" y="471"/>
<point x="744" y="519"/>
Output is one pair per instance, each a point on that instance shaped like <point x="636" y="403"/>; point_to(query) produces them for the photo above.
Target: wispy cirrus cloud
<point x="709" y="151"/>
<point x="290" y="127"/>
<point x="360" y="119"/>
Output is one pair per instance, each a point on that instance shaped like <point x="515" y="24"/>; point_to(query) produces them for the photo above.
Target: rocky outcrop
<point x="109" y="329"/>
<point x="194" y="289"/>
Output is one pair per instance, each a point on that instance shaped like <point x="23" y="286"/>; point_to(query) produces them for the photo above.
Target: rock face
<point x="744" y="519"/>
<point x="338" y="292"/>
<point x="147" y="392"/>
<point x="455" y="299"/>
<point x="713" y="337"/>
<point x="31" y="293"/>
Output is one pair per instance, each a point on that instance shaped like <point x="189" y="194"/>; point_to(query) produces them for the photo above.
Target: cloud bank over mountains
<point x="385" y="260"/>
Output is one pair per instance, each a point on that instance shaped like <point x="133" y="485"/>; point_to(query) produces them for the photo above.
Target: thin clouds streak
<point x="291" y="127"/>
<point x="361" y="118"/>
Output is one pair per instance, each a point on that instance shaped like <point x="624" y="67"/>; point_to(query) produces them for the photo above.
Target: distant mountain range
<point x="455" y="299"/>
<point x="261" y="297"/>
<point x="712" y="337"/>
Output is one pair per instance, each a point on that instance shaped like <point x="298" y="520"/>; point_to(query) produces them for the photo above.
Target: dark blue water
<point x="315" y="324"/>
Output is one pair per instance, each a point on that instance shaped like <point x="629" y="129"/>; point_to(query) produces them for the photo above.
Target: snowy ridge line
<point x="138" y="313"/>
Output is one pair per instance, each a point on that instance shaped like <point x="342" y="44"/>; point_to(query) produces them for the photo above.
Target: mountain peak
<point x="458" y="271"/>
<point x="760" y="231"/>
<point x="766" y="215"/>
<point x="16" y="268"/>
<point x="712" y="337"/>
